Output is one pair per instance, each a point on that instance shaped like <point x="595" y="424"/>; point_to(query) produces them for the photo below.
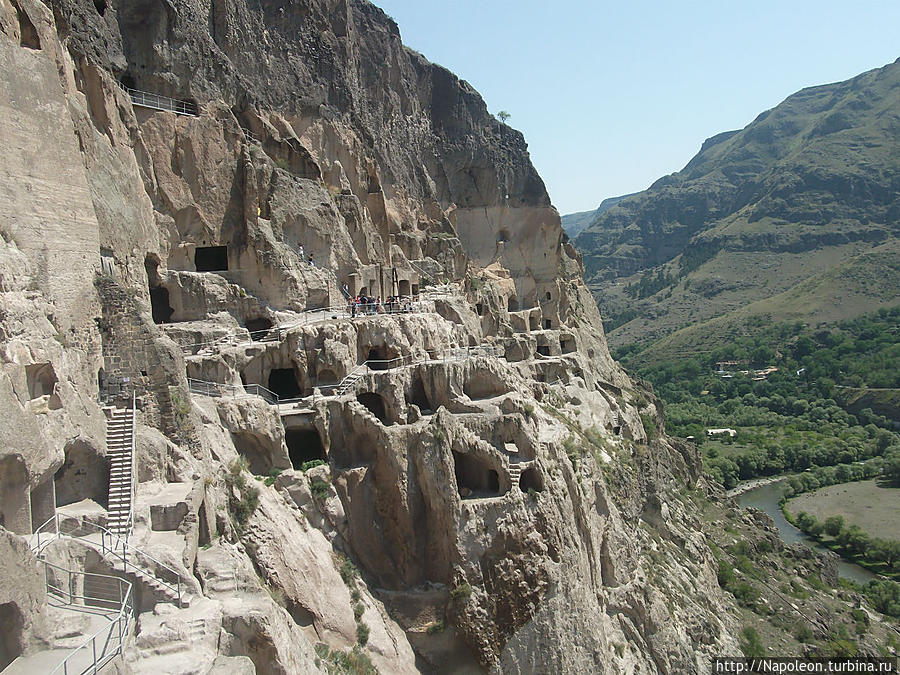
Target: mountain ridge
<point x="816" y="176"/>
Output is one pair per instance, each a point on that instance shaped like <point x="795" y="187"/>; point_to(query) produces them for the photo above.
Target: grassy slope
<point x="855" y="287"/>
<point x="809" y="186"/>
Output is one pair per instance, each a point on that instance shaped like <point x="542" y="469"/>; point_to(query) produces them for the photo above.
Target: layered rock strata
<point x="470" y="485"/>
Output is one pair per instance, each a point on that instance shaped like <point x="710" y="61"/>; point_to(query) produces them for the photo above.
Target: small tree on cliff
<point x="503" y="116"/>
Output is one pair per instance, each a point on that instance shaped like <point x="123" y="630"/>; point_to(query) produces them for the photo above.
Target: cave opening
<point x="83" y="475"/>
<point x="15" y="506"/>
<point x="375" y="405"/>
<point x="531" y="480"/>
<point x="547" y="295"/>
<point x="418" y="397"/>
<point x="533" y="323"/>
<point x="543" y="350"/>
<point x="474" y="478"/>
<point x="258" y="328"/>
<point x="100" y="6"/>
<point x="11" y="642"/>
<point x="379" y="359"/>
<point x="304" y="445"/>
<point x="415" y="289"/>
<point x="211" y="259"/>
<point x="283" y="381"/>
<point x="479" y="309"/>
<point x="28" y="35"/>
<point x="512" y="305"/>
<point x="41" y="378"/>
<point x="159" y="305"/>
<point x="567" y="346"/>
<point x="403" y="287"/>
<point x="128" y="82"/>
<point x="160" y="308"/>
<point x="548" y="324"/>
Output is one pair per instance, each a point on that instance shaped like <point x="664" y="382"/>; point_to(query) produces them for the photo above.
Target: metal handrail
<point x="221" y="389"/>
<point x="342" y="311"/>
<point x="121" y="621"/>
<point x="110" y="543"/>
<point x="129" y="524"/>
<point x="453" y="354"/>
<point x="148" y="99"/>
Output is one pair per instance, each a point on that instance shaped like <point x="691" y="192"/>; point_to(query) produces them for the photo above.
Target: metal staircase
<point x="120" y="446"/>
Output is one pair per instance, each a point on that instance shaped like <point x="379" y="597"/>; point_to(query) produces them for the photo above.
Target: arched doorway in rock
<point x="304" y="445"/>
<point x="474" y="477"/>
<point x="160" y="308"/>
<point x="531" y="480"/>
<point x="379" y="358"/>
<point x="258" y="328"/>
<point x="374" y="403"/>
<point x="11" y="637"/>
<point x="283" y="381"/>
<point x="418" y="396"/>
<point x="403" y="287"/>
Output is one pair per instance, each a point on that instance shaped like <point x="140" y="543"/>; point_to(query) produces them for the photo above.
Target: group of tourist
<point x="367" y="305"/>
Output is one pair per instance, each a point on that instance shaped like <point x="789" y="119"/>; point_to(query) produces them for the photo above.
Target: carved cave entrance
<point x="159" y="295"/>
<point x="11" y="636"/>
<point x="258" y="328"/>
<point x="211" y="259"/>
<point x="283" y="381"/>
<point x="543" y="350"/>
<point x="304" y="445"/>
<point x="531" y="480"/>
<point x="567" y="346"/>
<point x="83" y="475"/>
<point x="403" y="287"/>
<point x="512" y="305"/>
<point x="475" y="478"/>
<point x="418" y="397"/>
<point x="533" y="323"/>
<point x="15" y="511"/>
<point x="326" y="377"/>
<point x="380" y="359"/>
<point x="375" y="405"/>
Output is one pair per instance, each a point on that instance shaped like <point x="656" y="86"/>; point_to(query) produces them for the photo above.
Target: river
<point x="766" y="498"/>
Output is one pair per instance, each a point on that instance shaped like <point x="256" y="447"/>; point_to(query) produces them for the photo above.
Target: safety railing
<point x="219" y="389"/>
<point x="108" y="641"/>
<point x="129" y="523"/>
<point x="147" y="99"/>
<point x="132" y="559"/>
<point x="343" y="311"/>
<point x="451" y="354"/>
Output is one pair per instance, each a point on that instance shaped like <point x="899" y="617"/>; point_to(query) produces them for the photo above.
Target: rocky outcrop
<point x="459" y="481"/>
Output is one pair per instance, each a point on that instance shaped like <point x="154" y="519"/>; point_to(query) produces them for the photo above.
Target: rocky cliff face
<point x="487" y="491"/>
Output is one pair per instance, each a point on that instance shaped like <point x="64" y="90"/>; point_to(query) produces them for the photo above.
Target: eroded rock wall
<point x="465" y="484"/>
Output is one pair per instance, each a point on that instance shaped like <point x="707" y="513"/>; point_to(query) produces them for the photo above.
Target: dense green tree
<point x="834" y="525"/>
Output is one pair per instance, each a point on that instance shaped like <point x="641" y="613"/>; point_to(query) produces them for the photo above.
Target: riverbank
<point x="755" y="483"/>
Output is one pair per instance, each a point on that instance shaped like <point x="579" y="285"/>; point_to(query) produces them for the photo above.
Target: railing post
<point x="94" y="649"/>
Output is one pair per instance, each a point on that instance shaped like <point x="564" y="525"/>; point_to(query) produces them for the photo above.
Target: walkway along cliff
<point x="471" y="486"/>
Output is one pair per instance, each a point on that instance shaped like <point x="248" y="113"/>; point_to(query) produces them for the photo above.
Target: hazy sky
<point x="611" y="96"/>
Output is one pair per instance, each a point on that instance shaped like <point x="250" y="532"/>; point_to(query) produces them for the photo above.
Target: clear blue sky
<point x="611" y="96"/>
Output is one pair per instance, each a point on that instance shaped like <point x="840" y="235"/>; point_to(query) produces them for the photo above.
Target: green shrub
<point x="362" y="633"/>
<point x="306" y="466"/>
<point x="436" y="627"/>
<point x="751" y="644"/>
<point x="319" y="488"/>
<point x="462" y="591"/>
<point x="349" y="572"/>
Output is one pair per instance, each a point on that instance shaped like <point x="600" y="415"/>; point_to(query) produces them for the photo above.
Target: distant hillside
<point x="787" y="216"/>
<point x="574" y="223"/>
